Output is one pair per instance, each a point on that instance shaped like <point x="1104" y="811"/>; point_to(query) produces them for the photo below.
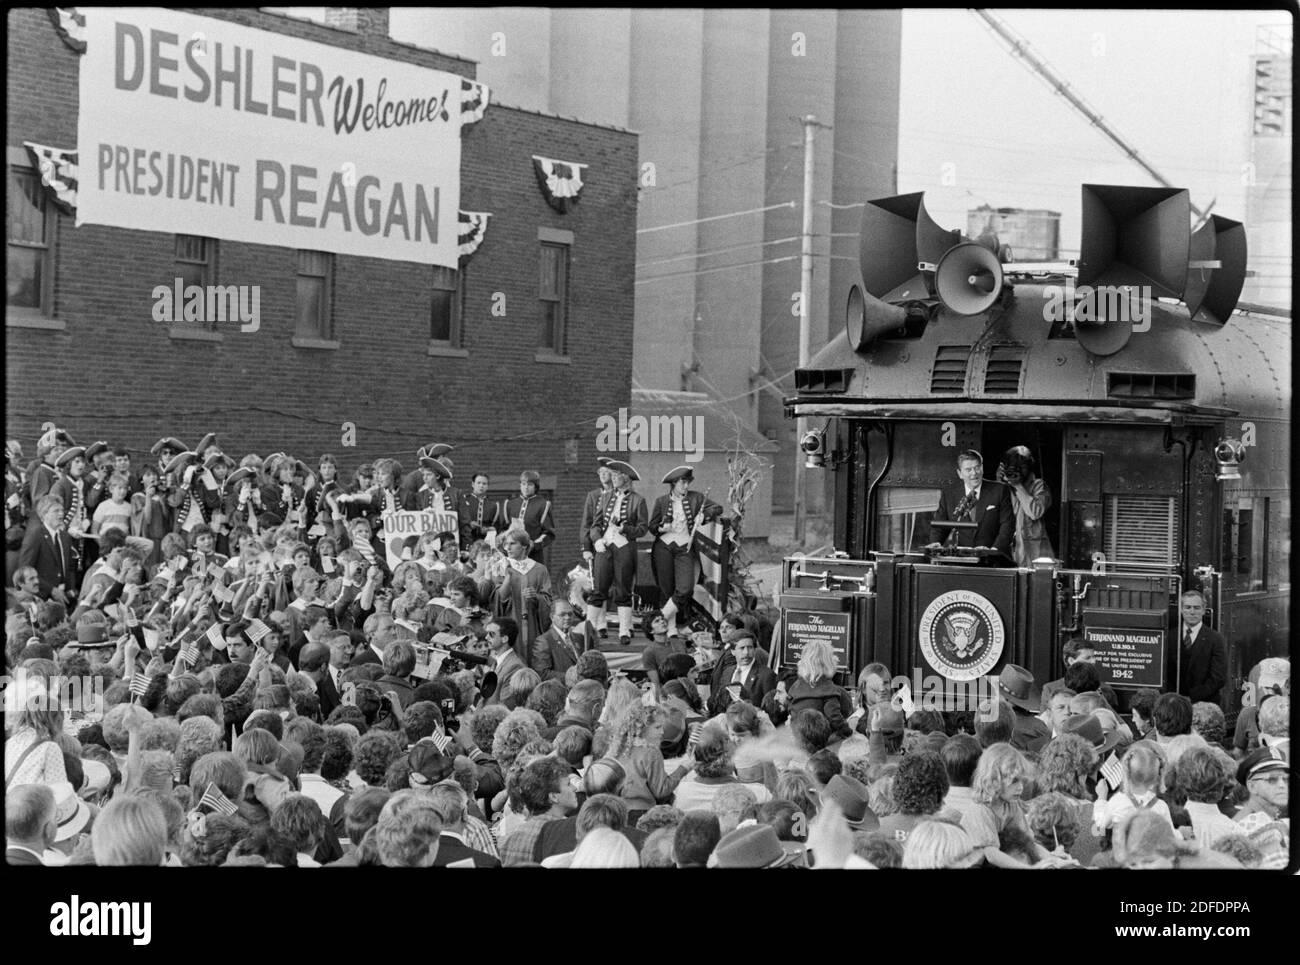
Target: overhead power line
<point x="717" y="217"/>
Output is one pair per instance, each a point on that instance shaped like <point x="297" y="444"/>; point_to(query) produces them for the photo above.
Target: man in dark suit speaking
<point x="977" y="500"/>
<point x="1203" y="669"/>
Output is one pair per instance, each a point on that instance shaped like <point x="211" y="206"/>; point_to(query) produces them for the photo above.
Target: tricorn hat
<point x="209" y="440"/>
<point x="167" y="442"/>
<point x="681" y="472"/>
<point x="95" y="448"/>
<point x="616" y="465"/>
<point x="181" y="460"/>
<point x="70" y="454"/>
<point x="436" y="466"/>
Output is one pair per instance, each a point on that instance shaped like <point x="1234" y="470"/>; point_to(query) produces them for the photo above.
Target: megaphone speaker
<point x="1135" y="237"/>
<point x="896" y="235"/>
<point x="1103" y="336"/>
<point x="1212" y="293"/>
<point x="866" y="318"/>
<point x="968" y="278"/>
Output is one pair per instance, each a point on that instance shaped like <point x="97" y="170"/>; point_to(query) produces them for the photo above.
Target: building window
<point x="29" y="265"/>
<point x="196" y="264"/>
<point x="903" y="515"/>
<point x="554" y="294"/>
<point x="315" y="282"/>
<point x="448" y="302"/>
<point x="1246" y="543"/>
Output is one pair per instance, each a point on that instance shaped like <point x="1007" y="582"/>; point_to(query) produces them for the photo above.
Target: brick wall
<point x="115" y="374"/>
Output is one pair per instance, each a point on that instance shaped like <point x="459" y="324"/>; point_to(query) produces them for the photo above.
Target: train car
<point x="1157" y="413"/>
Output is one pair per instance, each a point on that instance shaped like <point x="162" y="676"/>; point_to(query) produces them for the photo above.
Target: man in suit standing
<point x="314" y="660"/>
<point x="1204" y="655"/>
<point x="501" y="635"/>
<point x="555" y="651"/>
<point x="373" y="651"/>
<point x="47" y="549"/>
<point x="987" y="504"/>
<point x="739" y="676"/>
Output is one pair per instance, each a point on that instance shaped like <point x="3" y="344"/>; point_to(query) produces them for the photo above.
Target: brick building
<point x="407" y="353"/>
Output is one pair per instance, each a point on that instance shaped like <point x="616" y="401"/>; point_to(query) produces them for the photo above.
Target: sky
<point x="1178" y="85"/>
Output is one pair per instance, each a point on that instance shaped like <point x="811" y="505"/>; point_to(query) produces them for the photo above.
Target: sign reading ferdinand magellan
<point x="191" y="125"/>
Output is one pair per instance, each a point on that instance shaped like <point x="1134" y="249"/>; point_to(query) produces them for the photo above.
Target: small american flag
<point x="214" y="799"/>
<point x="216" y="637"/>
<point x="140" y="684"/>
<point x="440" y="741"/>
<point x="257" y="630"/>
<point x="1113" y="771"/>
<point x="189" y="653"/>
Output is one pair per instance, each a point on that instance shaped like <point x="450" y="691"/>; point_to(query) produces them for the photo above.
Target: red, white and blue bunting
<point x="473" y="226"/>
<point x="560" y="181"/>
<point x="474" y="99"/>
<point x="58" y="173"/>
<point x="71" y="26"/>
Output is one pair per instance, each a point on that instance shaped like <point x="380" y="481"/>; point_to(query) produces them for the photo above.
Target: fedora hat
<point x="93" y="635"/>
<point x="852" y="797"/>
<point x="753" y="846"/>
<point x="1016" y="684"/>
<point x="1089" y="728"/>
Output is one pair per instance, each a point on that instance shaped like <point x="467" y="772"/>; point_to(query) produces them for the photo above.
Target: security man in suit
<point x="621" y="519"/>
<point x="1203" y="667"/>
<point x="476" y="514"/>
<point x="589" y="508"/>
<point x="978" y="500"/>
<point x="673" y="521"/>
<point x="47" y="548"/>
<point x="533" y="513"/>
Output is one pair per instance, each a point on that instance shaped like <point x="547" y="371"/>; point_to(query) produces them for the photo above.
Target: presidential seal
<point x="961" y="635"/>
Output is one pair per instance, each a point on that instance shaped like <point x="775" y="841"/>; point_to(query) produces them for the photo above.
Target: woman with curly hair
<point x="1202" y="777"/>
<point x="918" y="790"/>
<point x="198" y="736"/>
<point x="621" y="695"/>
<point x="1066" y="765"/>
<point x="547" y="698"/>
<point x="206" y="843"/>
<point x="1054" y="821"/>
<point x="372" y="755"/>
<point x="996" y="789"/>
<point x="634" y="739"/>
<point x="519" y="727"/>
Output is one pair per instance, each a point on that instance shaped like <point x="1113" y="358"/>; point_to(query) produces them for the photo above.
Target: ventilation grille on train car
<point x="1005" y="366"/>
<point x="1140" y="385"/>
<point x="822" y="380"/>
<point x="949" y="374"/>
<point x="1142" y="529"/>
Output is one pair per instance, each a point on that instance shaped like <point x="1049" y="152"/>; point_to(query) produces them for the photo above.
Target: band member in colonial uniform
<point x="476" y="513"/>
<point x="217" y="468"/>
<point x="99" y="466"/>
<point x="167" y="449"/>
<point x="532" y="514"/>
<point x="589" y="507"/>
<point x="385" y="496"/>
<point x="436" y="493"/>
<point x="42" y="476"/>
<point x="243" y="499"/>
<point x="70" y="489"/>
<point x="323" y="507"/>
<point x="363" y="484"/>
<point x="621" y="519"/>
<point x="187" y="497"/>
<point x="521" y="589"/>
<point x="414" y="480"/>
<point x="282" y="497"/>
<point x="673" y="521"/>
<point x="151" y="517"/>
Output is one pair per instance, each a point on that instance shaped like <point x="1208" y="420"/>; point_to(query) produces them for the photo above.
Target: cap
<point x="681" y="472"/>
<point x="69" y="455"/>
<point x="1261" y="761"/>
<point x="428" y="764"/>
<point x="617" y="466"/>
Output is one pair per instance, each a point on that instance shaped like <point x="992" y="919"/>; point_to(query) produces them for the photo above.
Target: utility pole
<point x="810" y="126"/>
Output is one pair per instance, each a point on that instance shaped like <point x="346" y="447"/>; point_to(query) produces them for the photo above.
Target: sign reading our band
<point x="961" y="635"/>
<point x="1128" y="656"/>
<point x="804" y="626"/>
<point x="190" y="123"/>
<point x="407" y="525"/>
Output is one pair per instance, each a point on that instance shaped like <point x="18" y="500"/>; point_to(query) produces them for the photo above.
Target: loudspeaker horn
<point x="897" y="233"/>
<point x="1137" y="237"/>
<point x="866" y="318"/>
<point x="1212" y="293"/>
<point x="968" y="278"/>
<point x="1103" y="336"/>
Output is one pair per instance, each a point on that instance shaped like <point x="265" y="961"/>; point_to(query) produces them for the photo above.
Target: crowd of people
<point x="245" y="680"/>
